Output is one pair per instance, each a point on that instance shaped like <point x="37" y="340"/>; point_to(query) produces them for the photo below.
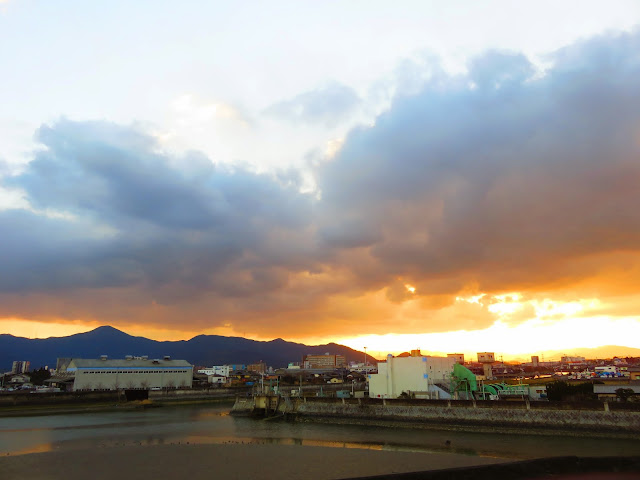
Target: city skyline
<point x="366" y="174"/>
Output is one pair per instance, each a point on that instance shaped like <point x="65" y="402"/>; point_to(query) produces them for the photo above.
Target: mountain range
<point x="202" y="350"/>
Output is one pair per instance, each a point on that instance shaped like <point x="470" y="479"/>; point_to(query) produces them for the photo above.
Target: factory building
<point x="416" y="376"/>
<point x="130" y="373"/>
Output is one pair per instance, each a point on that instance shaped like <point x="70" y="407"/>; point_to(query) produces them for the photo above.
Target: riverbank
<point x="593" y="419"/>
<point x="108" y="403"/>
<point x="238" y="461"/>
<point x="232" y="461"/>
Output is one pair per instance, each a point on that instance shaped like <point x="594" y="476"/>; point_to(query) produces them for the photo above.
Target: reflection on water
<point x="42" y="447"/>
<point x="213" y="425"/>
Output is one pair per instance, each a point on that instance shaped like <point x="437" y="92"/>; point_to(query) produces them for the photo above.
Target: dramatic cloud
<point x="501" y="180"/>
<point x="497" y="180"/>
<point x="132" y="219"/>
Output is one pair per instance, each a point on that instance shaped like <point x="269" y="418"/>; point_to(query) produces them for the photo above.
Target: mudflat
<point x="228" y="461"/>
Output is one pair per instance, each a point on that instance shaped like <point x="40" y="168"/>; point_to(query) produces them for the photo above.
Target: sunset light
<point x="319" y="240"/>
<point x="444" y="178"/>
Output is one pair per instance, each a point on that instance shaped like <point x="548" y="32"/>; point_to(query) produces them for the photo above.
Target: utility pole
<point x="365" y="359"/>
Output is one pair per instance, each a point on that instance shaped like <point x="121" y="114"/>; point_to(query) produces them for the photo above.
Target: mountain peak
<point x="106" y="330"/>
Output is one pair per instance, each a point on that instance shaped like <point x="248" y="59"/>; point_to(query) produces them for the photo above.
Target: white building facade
<point x="420" y="376"/>
<point x="222" y="370"/>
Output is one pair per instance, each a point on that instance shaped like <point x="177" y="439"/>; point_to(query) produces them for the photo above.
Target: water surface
<point x="213" y="424"/>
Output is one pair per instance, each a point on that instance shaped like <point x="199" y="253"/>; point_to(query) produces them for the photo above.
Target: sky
<point x="452" y="176"/>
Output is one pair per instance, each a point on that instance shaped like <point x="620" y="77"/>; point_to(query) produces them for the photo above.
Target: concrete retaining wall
<point x="194" y="393"/>
<point x="505" y="416"/>
<point x="596" y="418"/>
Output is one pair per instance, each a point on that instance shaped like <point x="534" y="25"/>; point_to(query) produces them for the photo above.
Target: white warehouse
<point x="130" y="373"/>
<point x="418" y="375"/>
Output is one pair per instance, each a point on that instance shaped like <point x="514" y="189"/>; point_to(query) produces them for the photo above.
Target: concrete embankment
<point x="26" y="403"/>
<point x="536" y="417"/>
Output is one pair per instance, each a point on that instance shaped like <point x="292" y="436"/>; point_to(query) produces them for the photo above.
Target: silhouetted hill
<point x="201" y="350"/>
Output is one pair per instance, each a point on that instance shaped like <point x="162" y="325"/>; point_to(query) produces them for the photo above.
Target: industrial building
<point x="417" y="376"/>
<point x="130" y="373"/>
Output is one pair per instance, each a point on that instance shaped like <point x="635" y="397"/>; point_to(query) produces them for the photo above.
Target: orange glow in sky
<point x="454" y="186"/>
<point x="557" y="328"/>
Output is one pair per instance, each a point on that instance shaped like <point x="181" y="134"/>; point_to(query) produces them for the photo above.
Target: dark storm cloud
<point x="133" y="218"/>
<point x="499" y="177"/>
<point x="112" y="172"/>
<point x="327" y="105"/>
<point x="499" y="180"/>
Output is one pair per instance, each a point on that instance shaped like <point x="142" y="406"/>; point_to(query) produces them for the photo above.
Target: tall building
<point x="324" y="361"/>
<point x="20" y="366"/>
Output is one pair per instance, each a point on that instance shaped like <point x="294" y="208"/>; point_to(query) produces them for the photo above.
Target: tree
<point x="563" y="391"/>
<point x="623" y="394"/>
<point x="39" y="376"/>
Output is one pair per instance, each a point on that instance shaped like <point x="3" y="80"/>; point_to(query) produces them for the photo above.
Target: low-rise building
<point x="222" y="370"/>
<point x="216" y="379"/>
<point x="606" y="370"/>
<point x="363" y="367"/>
<point x="612" y="392"/>
<point x="259" y="367"/>
<point x="458" y="357"/>
<point x="19" y="379"/>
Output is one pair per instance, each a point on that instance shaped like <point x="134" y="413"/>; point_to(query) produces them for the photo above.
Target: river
<point x="213" y="424"/>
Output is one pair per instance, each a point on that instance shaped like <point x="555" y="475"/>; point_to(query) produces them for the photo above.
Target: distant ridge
<point x="607" y="351"/>
<point x="200" y="350"/>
